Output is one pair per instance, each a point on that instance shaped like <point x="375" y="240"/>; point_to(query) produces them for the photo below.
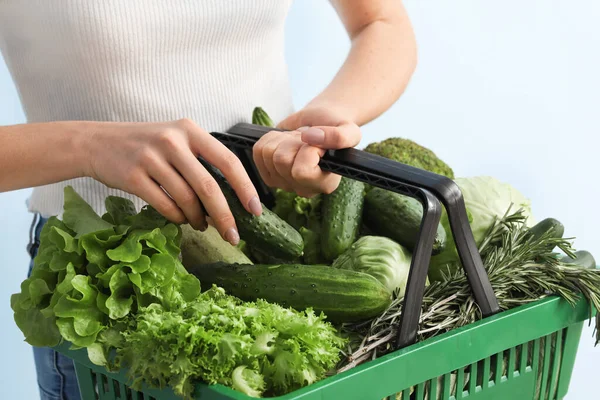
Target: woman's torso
<point x="143" y="60"/>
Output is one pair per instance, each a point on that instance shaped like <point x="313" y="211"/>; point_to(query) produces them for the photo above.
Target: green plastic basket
<point x="524" y="353"/>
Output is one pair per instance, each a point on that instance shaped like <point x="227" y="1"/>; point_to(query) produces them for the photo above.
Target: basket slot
<point x="556" y="363"/>
<point x="405" y="394"/>
<point x="473" y="378"/>
<point x="523" y="358"/>
<point x="433" y="389"/>
<point x="498" y="367"/>
<point x="546" y="365"/>
<point x="420" y="391"/>
<point x="460" y="384"/>
<point x="485" y="374"/>
<point x="512" y="360"/>
<point x="447" y="386"/>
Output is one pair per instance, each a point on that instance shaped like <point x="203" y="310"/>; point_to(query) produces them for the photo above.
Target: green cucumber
<point x="342" y="295"/>
<point x="399" y="218"/>
<point x="265" y="258"/>
<point x="549" y="226"/>
<point x="260" y="117"/>
<point x="342" y="216"/>
<point x="583" y="259"/>
<point x="267" y="233"/>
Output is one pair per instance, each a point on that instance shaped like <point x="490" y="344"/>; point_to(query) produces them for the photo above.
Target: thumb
<point x="332" y="137"/>
<point x="290" y="123"/>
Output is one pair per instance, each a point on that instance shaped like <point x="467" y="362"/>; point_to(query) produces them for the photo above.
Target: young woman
<point x="119" y="97"/>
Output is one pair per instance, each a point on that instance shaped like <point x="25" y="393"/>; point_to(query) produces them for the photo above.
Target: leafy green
<point x="304" y="214"/>
<point x="115" y="286"/>
<point x="257" y="348"/>
<point x="381" y="258"/>
<point x="80" y="216"/>
<point x="88" y="268"/>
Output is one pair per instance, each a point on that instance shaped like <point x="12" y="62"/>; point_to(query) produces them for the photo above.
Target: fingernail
<point x="255" y="206"/>
<point x="203" y="226"/>
<point x="302" y="128"/>
<point x="313" y="136"/>
<point x="232" y="236"/>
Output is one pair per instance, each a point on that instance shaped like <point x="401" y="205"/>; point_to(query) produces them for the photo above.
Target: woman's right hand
<point x="145" y="158"/>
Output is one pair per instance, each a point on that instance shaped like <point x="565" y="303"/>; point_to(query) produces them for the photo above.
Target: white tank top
<point x="211" y="61"/>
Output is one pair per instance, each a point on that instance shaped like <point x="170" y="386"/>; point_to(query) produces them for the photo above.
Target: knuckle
<point x="231" y="162"/>
<point x="134" y="181"/>
<point x="146" y="156"/>
<point x="335" y="137"/>
<point x="188" y="198"/>
<point x="225" y="219"/>
<point x="208" y="187"/>
<point x="170" y="139"/>
<point x="247" y="186"/>
<point x="300" y="173"/>
<point x="186" y="124"/>
<point x="283" y="158"/>
<point x="270" y="148"/>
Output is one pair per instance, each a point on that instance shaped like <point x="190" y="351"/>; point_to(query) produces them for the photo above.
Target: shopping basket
<point x="524" y="353"/>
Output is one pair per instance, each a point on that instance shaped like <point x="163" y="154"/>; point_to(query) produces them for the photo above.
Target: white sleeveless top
<point x="211" y="61"/>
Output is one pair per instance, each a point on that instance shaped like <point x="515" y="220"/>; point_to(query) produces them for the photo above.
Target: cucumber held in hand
<point x="342" y="216"/>
<point x="399" y="218"/>
<point x="267" y="233"/>
<point x="342" y="295"/>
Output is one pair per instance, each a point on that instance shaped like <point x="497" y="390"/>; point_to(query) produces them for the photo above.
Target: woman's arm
<point x="374" y="75"/>
<point x="381" y="61"/>
<point x="154" y="161"/>
<point x="40" y="154"/>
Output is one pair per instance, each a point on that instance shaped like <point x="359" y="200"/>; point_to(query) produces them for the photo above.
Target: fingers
<point x="180" y="191"/>
<point x="145" y="188"/>
<point x="332" y="137"/>
<point x="308" y="174"/>
<point x="210" y="194"/>
<point x="213" y="151"/>
<point x="262" y="153"/>
<point x="285" y="155"/>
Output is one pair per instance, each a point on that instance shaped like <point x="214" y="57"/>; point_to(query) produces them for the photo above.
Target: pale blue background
<point x="509" y="89"/>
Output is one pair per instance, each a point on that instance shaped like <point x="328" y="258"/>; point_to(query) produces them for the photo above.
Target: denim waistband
<point x="34" y="233"/>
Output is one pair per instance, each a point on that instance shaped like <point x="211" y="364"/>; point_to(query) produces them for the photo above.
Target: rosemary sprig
<point x="521" y="268"/>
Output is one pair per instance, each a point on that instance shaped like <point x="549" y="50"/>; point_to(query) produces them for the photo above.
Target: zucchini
<point x="583" y="259"/>
<point x="342" y="295"/>
<point x="342" y="216"/>
<point x="549" y="226"/>
<point x="208" y="247"/>
<point x="267" y="233"/>
<point x="399" y="218"/>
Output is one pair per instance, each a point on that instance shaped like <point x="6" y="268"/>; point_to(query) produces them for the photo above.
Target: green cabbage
<point x="486" y="199"/>
<point x="379" y="257"/>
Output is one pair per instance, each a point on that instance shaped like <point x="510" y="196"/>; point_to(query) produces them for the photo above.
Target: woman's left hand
<point x="290" y="160"/>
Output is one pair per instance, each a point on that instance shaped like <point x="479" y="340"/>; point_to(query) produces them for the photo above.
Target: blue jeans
<point x="55" y="373"/>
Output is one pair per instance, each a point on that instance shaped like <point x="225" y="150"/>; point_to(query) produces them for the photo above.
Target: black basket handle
<point x="430" y="189"/>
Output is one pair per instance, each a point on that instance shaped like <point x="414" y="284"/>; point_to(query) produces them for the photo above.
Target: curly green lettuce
<point x="257" y="348"/>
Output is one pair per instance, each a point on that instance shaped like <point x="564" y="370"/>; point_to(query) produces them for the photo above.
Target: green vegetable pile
<point x="315" y="287"/>
<point x="115" y="286"/>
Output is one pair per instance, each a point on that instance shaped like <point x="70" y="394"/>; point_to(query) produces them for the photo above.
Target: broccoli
<point x="408" y="152"/>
